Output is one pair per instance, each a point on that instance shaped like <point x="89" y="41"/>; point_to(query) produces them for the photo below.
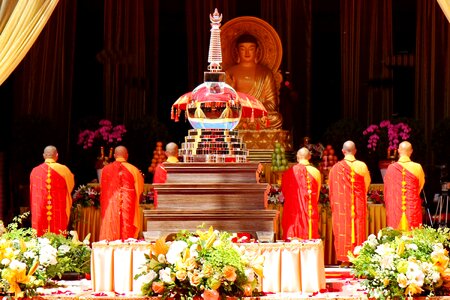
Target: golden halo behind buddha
<point x="269" y="42"/>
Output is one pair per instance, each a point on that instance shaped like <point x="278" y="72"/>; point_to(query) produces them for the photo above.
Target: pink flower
<point x="395" y="133"/>
<point x="106" y="133"/>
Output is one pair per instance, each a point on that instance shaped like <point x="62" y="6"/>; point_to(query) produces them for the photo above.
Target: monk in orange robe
<point x="51" y="185"/>
<point x="121" y="187"/>
<point x="160" y="172"/>
<point x="301" y="188"/>
<point x="349" y="180"/>
<point x="404" y="181"/>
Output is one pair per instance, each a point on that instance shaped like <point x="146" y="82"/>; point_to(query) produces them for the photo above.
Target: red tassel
<point x="267" y="122"/>
<point x="172" y="116"/>
<point x="258" y="127"/>
<point x="252" y="118"/>
<point x="176" y="116"/>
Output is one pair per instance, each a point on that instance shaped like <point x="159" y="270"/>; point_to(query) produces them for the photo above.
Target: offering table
<point x="288" y="267"/>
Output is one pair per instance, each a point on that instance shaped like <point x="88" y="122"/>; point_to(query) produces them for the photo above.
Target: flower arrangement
<point x="375" y="196"/>
<point x="201" y="264"/>
<point x="86" y="196"/>
<point x="396" y="264"/>
<point x="275" y="196"/>
<point x="107" y="133"/>
<point x="394" y="133"/>
<point x="28" y="261"/>
<point x="72" y="256"/>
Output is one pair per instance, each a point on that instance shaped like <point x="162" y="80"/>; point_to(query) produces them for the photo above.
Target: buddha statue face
<point x="247" y="49"/>
<point x="247" y="52"/>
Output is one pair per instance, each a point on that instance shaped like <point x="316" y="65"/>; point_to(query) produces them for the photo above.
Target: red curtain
<point x="366" y="42"/>
<point x="124" y="60"/>
<point x="432" y="61"/>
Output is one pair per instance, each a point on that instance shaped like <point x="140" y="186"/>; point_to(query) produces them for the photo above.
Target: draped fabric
<point x="124" y="60"/>
<point x="445" y="5"/>
<point x="340" y="182"/>
<point x="21" y="22"/>
<point x="293" y="22"/>
<point x="366" y="41"/>
<point x="44" y="84"/>
<point x="59" y="180"/>
<point x="393" y="197"/>
<point x="121" y="185"/>
<point x="295" y="220"/>
<point x="432" y="61"/>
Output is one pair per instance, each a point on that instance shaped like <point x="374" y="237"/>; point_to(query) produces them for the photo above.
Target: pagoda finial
<point x="215" y="49"/>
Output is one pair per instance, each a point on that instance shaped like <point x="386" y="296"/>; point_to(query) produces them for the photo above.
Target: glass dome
<point x="214" y="105"/>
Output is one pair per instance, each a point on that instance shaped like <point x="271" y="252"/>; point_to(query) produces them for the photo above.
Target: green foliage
<point x="28" y="261"/>
<point x="200" y="262"/>
<point x="72" y="256"/>
<point x="400" y="264"/>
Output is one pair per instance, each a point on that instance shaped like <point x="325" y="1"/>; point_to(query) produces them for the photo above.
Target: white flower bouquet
<point x="398" y="264"/>
<point x="28" y="261"/>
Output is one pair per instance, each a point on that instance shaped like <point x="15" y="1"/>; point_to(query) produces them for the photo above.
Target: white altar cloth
<point x="288" y="267"/>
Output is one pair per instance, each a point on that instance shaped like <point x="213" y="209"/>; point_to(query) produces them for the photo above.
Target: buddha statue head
<point x="247" y="49"/>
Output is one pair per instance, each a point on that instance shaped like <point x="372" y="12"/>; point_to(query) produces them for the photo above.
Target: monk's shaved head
<point x="50" y="152"/>
<point x="172" y="149"/>
<point x="405" y="148"/>
<point x="121" y="151"/>
<point x="349" y="147"/>
<point x="303" y="153"/>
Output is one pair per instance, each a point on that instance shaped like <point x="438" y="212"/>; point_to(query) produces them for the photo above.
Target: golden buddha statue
<point x="252" y="53"/>
<point x="250" y="77"/>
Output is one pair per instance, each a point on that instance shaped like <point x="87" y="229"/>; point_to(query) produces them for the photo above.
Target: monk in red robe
<point x="403" y="183"/>
<point x="121" y="187"/>
<point x="160" y="172"/>
<point x="301" y="188"/>
<point x="349" y="180"/>
<point x="51" y="185"/>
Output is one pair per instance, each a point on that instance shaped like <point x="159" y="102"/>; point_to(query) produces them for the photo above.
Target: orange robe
<point x="121" y="187"/>
<point x="51" y="185"/>
<point x="295" y="222"/>
<point x="414" y="181"/>
<point x="160" y="176"/>
<point x="341" y="191"/>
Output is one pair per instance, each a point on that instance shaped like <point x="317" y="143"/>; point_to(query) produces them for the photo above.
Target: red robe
<point x="295" y="222"/>
<point x="121" y="186"/>
<point x="393" y="197"/>
<point x="159" y="177"/>
<point x="341" y="208"/>
<point x="50" y="215"/>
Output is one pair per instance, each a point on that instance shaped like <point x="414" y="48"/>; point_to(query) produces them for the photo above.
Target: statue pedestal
<point x="223" y="195"/>
<point x="260" y="143"/>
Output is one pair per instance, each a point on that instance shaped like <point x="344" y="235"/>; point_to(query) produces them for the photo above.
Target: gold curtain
<point x="445" y="5"/>
<point x="21" y="22"/>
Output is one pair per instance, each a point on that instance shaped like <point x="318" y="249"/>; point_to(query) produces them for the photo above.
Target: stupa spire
<point x="215" y="49"/>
